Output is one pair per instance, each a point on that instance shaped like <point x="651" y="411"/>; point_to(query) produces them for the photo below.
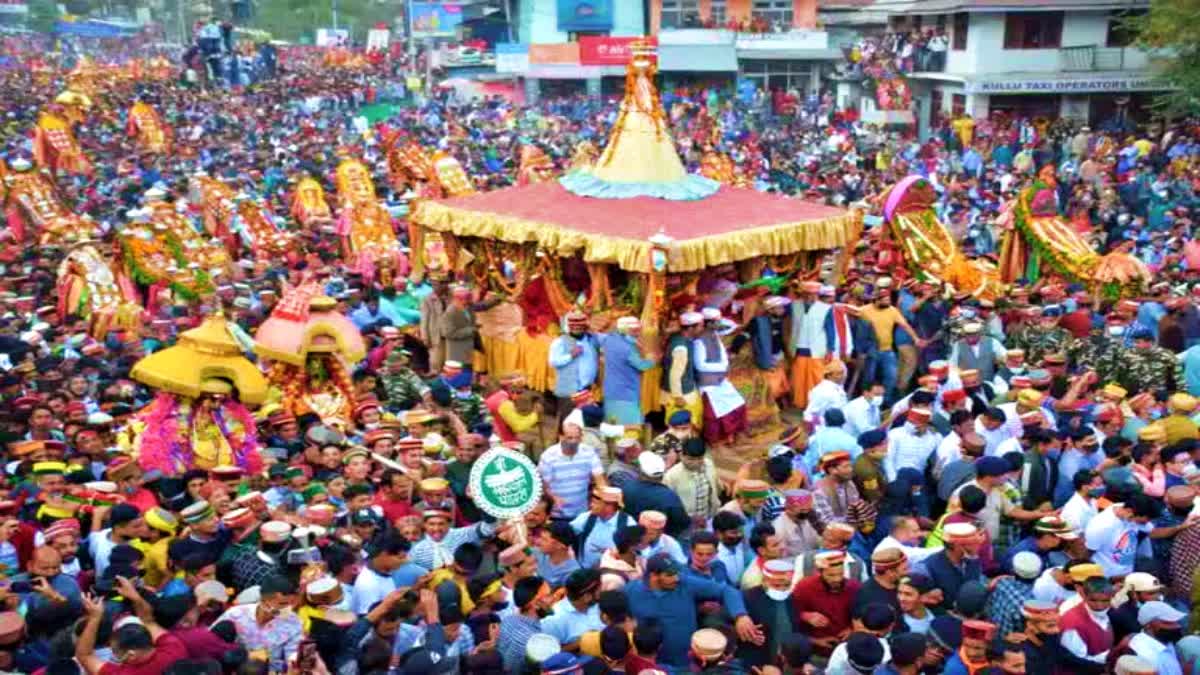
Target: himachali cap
<point x="435" y="513"/>
<point x="356" y="451"/>
<point x="828" y="559"/>
<point x="323" y="592"/>
<point x="1039" y="377"/>
<point x="691" y="319"/>
<point x="929" y="382"/>
<point x="162" y="520"/>
<point x="919" y="415"/>
<point x="1128" y="306"/>
<point x="275" y="531"/>
<point x="434" y="484"/>
<point x="375" y="435"/>
<point x="238" y="519"/>
<point x="451" y="368"/>
<point x="1181" y="402"/>
<point x="776" y="302"/>
<point x="628" y="323"/>
<point x="811" y="287"/>
<point x="1039" y="610"/>
<point x="798" y="497"/>
<point x="978" y="630"/>
<point x="197" y="512"/>
<point x="1056" y="526"/>
<point x="49" y="468"/>
<point x="709" y="643"/>
<point x="969" y="377"/>
<point x="954" y="395"/>
<point x="460" y="291"/>
<point x="227" y="472"/>
<point x="512" y="378"/>
<point x="711" y="314"/>
<point x="12" y="628"/>
<point x="656" y="520"/>
<point x="888" y="558"/>
<point x="1032" y="418"/>
<point x="754" y="489"/>
<point x="1029" y="397"/>
<point x="610" y="495"/>
<point x="62" y="527"/>
<point x="1055" y="359"/>
<point x="831" y="459"/>
<point x="369" y="404"/>
<point x="410" y="443"/>
<point x="972" y="328"/>
<point x="779" y="569"/>
<point x="826" y="291"/>
<point x="960" y="533"/>
<point x="1027" y="565"/>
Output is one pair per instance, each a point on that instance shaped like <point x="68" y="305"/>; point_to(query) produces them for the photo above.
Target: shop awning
<point x="702" y="58"/>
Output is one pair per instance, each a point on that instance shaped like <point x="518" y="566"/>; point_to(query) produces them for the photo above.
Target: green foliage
<point x="293" y="19"/>
<point x="1171" y="30"/>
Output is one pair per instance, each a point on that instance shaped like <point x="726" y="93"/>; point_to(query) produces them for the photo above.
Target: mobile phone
<point x="21" y="587"/>
<point x="306" y="656"/>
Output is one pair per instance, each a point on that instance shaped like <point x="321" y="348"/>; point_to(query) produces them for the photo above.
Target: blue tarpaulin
<point x="92" y="29"/>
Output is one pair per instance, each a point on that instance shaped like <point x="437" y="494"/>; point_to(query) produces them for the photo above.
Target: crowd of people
<point x="967" y="486"/>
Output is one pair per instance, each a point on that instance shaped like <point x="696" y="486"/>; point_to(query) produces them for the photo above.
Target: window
<point x="935" y="107"/>
<point x="718" y="12"/>
<point x="772" y="74"/>
<point x="680" y="13"/>
<point x="1120" y="33"/>
<point x="778" y="12"/>
<point x="1033" y="30"/>
<point x="959" y="30"/>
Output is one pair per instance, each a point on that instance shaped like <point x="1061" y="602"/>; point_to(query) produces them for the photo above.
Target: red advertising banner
<point x="608" y="51"/>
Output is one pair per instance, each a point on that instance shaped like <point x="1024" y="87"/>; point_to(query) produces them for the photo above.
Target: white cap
<point x="1157" y="610"/>
<point x="1027" y="565"/>
<point x="1142" y="582"/>
<point x="574" y="418"/>
<point x="627" y="323"/>
<point x="711" y="314"/>
<point x="541" y="647"/>
<point x="826" y="289"/>
<point x="777" y="450"/>
<point x="20" y="164"/>
<point x="883" y="282"/>
<point x="210" y="590"/>
<point x="776" y="301"/>
<point x="691" y="318"/>
<point x="651" y="464"/>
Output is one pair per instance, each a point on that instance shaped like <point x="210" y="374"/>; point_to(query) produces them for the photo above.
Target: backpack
<point x="623" y="520"/>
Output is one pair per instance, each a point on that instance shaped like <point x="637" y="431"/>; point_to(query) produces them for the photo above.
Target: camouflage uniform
<point x="1152" y="368"/>
<point x="1101" y="353"/>
<point x="404" y="388"/>
<point x="1038" y="342"/>
<point x="471" y="410"/>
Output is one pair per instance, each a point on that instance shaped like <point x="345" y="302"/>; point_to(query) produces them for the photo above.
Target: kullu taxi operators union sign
<point x="505" y="483"/>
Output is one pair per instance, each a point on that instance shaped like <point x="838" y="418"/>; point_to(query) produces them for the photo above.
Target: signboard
<point x="430" y="19"/>
<point x="13" y="7"/>
<point x="512" y="57"/>
<point x="330" y="37"/>
<point x="585" y="15"/>
<point x="505" y="484"/>
<point x="793" y="39"/>
<point x="607" y="51"/>
<point x="377" y="38"/>
<point x="1071" y="85"/>
<point x="566" y="53"/>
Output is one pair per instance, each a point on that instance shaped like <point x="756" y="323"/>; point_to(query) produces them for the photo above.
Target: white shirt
<point x="1078" y="512"/>
<point x="1164" y="657"/>
<point x="998" y="351"/>
<point x="827" y="394"/>
<point x="992" y="438"/>
<point x="949" y="450"/>
<point x="100" y="545"/>
<point x="734" y="560"/>
<point x="908" y="450"/>
<point x="916" y="554"/>
<point x="665" y="544"/>
<point x="369" y="588"/>
<point x="1047" y="589"/>
<point x="1113" y="541"/>
<point x="861" y="416"/>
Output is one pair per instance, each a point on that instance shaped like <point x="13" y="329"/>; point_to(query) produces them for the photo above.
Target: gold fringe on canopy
<point x="634" y="255"/>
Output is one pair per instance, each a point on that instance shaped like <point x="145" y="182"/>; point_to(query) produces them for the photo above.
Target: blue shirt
<point x="515" y="631"/>
<point x="566" y="624"/>
<point x="407" y="574"/>
<point x="676" y="609"/>
<point x="601" y="537"/>
<point x="1191" y="370"/>
<point x="569" y="476"/>
<point x="574" y="372"/>
<point x="1026" y="544"/>
<point x="1069" y="463"/>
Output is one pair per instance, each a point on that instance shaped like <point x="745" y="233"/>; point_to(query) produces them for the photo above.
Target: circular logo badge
<point x="505" y="483"/>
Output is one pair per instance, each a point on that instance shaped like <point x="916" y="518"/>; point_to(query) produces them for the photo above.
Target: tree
<point x="42" y="15"/>
<point x="1171" y="29"/>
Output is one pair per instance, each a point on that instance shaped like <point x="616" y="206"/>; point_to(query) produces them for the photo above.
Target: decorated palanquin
<point x="145" y="124"/>
<point x="312" y="349"/>
<point x="207" y="252"/>
<point x="451" y="176"/>
<point x="309" y="207"/>
<point x="154" y="257"/>
<point x="368" y="239"/>
<point x="198" y="418"/>
<point x="215" y="201"/>
<point x="409" y="166"/>
<point x="535" y="165"/>
<point x="1037" y="234"/>
<point x="928" y="247"/>
<point x="90" y="288"/>
<point x="32" y="206"/>
<point x="584" y="157"/>
<point x="256" y="227"/>
<point x="720" y="167"/>
<point x="55" y="146"/>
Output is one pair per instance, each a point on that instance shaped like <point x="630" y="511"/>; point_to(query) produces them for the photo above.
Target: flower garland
<point x="165" y="443"/>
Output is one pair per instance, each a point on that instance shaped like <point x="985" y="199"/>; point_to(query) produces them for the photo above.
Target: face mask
<point x="1098" y="616"/>
<point x="570" y="446"/>
<point x="1168" y="636"/>
<point x="876" y="400"/>
<point x="781" y="595"/>
<point x="1017" y="370"/>
<point x="1116" y="331"/>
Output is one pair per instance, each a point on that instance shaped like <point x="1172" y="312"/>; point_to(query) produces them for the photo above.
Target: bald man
<point x="55" y="598"/>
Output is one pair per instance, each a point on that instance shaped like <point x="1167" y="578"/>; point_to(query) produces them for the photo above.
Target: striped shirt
<point x="570" y="477"/>
<point x="432" y="554"/>
<point x="515" y="631"/>
<point x="907" y="450"/>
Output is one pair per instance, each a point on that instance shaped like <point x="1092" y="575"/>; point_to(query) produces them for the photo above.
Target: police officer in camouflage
<point x="1147" y="365"/>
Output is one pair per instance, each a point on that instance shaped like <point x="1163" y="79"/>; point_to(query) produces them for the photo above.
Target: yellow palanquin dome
<point x="202" y="354"/>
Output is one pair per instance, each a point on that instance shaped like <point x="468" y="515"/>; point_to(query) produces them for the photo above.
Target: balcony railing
<point x="1091" y="57"/>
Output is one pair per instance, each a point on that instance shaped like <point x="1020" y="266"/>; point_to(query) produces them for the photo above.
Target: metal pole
<point x="334" y="7"/>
